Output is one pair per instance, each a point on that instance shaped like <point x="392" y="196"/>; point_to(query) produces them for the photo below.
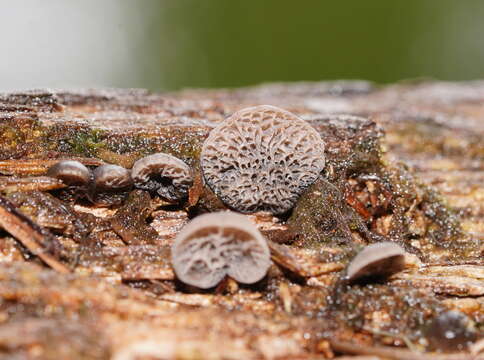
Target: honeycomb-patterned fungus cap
<point x="163" y="174"/>
<point x="261" y="159"/>
<point x="214" y="245"/>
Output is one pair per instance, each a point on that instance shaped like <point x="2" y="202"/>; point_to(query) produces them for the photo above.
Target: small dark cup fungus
<point x="163" y="174"/>
<point x="376" y="260"/>
<point x="71" y="173"/>
<point x="110" y="185"/>
<point x="451" y="331"/>
<point x="214" y="245"/>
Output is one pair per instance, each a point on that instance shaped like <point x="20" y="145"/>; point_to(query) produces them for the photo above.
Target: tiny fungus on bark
<point x="376" y="260"/>
<point x="110" y="185"/>
<point x="70" y="172"/>
<point x="163" y="174"/>
<point x="451" y="331"/>
<point x="261" y="159"/>
<point x="214" y="245"/>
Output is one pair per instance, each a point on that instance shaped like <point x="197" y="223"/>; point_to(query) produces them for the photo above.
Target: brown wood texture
<point x="97" y="283"/>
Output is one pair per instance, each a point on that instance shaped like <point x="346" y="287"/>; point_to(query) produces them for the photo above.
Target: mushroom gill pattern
<point x="261" y="159"/>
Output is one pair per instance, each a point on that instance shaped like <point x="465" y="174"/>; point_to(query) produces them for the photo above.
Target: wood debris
<point x="405" y="165"/>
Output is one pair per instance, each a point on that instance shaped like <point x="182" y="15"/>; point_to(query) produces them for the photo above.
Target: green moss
<point x="78" y="140"/>
<point x="87" y="143"/>
<point x="184" y="144"/>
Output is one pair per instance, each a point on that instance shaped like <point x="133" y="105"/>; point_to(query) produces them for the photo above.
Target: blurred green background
<point x="174" y="44"/>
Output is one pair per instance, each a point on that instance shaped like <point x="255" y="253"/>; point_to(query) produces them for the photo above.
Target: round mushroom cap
<point x="110" y="185"/>
<point x="214" y="245"/>
<point x="70" y="172"/>
<point x="261" y="159"/>
<point x="376" y="260"/>
<point x="163" y="174"/>
<point x="111" y="178"/>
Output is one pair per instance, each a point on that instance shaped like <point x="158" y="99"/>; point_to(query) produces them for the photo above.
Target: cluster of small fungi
<point x="260" y="159"/>
<point x="109" y="184"/>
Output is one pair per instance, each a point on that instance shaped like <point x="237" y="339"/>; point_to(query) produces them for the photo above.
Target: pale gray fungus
<point x="163" y="174"/>
<point x="376" y="260"/>
<point x="214" y="245"/>
<point x="70" y="172"/>
<point x="110" y="185"/>
<point x="261" y="159"/>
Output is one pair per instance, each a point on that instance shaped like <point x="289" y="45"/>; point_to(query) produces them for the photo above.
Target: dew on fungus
<point x="261" y="159"/>
<point x="214" y="245"/>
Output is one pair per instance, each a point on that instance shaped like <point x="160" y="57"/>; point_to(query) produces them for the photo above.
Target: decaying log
<point x="29" y="234"/>
<point x="404" y="163"/>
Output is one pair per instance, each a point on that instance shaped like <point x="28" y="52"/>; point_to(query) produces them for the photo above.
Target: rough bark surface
<point x="82" y="282"/>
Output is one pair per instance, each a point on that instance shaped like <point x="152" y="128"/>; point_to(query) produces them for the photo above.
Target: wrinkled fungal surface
<point x="403" y="162"/>
<point x="261" y="159"/>
<point x="163" y="174"/>
<point x="218" y="244"/>
<point x="110" y="185"/>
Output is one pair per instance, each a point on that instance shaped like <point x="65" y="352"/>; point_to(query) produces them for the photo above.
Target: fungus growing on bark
<point x="451" y="331"/>
<point x="71" y="173"/>
<point x="163" y="174"/>
<point x="261" y="159"/>
<point x="214" y="245"/>
<point x="376" y="260"/>
<point x="110" y="185"/>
